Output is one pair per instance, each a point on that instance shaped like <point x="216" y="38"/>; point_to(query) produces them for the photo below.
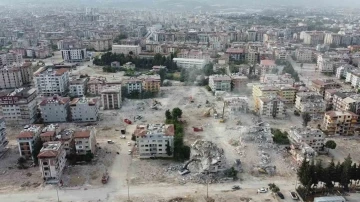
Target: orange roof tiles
<point x="82" y="134"/>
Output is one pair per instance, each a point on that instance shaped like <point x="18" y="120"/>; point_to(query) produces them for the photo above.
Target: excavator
<point x="208" y="111"/>
<point x="222" y="118"/>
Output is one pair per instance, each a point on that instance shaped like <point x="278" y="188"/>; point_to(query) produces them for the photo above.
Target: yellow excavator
<point x="208" y="111"/>
<point x="222" y="118"/>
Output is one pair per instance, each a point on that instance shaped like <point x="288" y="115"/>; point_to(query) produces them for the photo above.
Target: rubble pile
<point x="207" y="157"/>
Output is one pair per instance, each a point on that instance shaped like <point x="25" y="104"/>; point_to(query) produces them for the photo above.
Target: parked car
<point x="129" y="143"/>
<point x="280" y="195"/>
<point x="122" y="137"/>
<point x="110" y="142"/>
<point x="294" y="196"/>
<point x="127" y="121"/>
<point x="263" y="190"/>
<point x="130" y="151"/>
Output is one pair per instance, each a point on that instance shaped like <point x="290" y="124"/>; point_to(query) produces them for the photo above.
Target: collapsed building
<point x="237" y="104"/>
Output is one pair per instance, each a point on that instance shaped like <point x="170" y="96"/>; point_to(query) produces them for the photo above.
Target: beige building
<point x="95" y="85"/>
<point x="126" y="49"/>
<point x="272" y="107"/>
<point x="26" y="140"/>
<point x="339" y="123"/>
<point x="85" y="141"/>
<point x="111" y="97"/>
<point x="310" y="102"/>
<point x="18" y="106"/>
<point x="52" y="161"/>
<point x="220" y="83"/>
<point x="300" y="137"/>
<point x="303" y="55"/>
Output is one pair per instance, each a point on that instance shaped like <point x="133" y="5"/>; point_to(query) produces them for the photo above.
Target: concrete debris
<point x="208" y="158"/>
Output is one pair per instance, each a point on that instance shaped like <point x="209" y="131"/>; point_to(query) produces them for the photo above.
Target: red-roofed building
<point x="152" y="139"/>
<point x="84" y="109"/>
<point x="236" y="54"/>
<point x="85" y="141"/>
<point x="55" y="109"/>
<point x="50" y="81"/>
<point x="52" y="160"/>
<point x="26" y="140"/>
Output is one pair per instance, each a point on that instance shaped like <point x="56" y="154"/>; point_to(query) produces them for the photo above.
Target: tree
<point x="330" y="144"/>
<point x="346" y="173"/>
<point x="306" y="118"/>
<point x="168" y="115"/>
<point x="21" y="162"/>
<point x="168" y="149"/>
<point x="274" y="188"/>
<point x="301" y="65"/>
<point x="36" y="150"/>
<point x="88" y="156"/>
<point x="329" y="175"/>
<point x="208" y="69"/>
<point x="176" y="113"/>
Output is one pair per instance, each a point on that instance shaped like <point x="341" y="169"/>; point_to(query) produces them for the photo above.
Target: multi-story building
<point x="16" y="75"/>
<point x="77" y="87"/>
<point x="353" y="77"/>
<point x="236" y="54"/>
<point x="26" y="140"/>
<point x="151" y="83"/>
<point x="239" y="82"/>
<point x="288" y="93"/>
<point x="303" y="55"/>
<point x="50" y="81"/>
<point x="85" y="141"/>
<point x="133" y="84"/>
<point x="313" y="37"/>
<point x="332" y="39"/>
<point x="74" y="55"/>
<point x="55" y="109"/>
<point x="310" y="102"/>
<point x="320" y="85"/>
<point x="220" y="83"/>
<point x="111" y="97"/>
<point x="52" y="161"/>
<point x="263" y="91"/>
<point x="325" y="65"/>
<point x="267" y="66"/>
<point x="315" y="138"/>
<point x="101" y="44"/>
<point x="18" y="106"/>
<point x="66" y="136"/>
<point x="95" y="85"/>
<point x="339" y="123"/>
<point x="48" y="136"/>
<point x="3" y="139"/>
<point x="252" y="57"/>
<point x="84" y="109"/>
<point x="10" y="58"/>
<point x="281" y="54"/>
<point x="126" y="49"/>
<point x="153" y="139"/>
<point x="237" y="104"/>
<point x="272" y="107"/>
<point x="342" y="71"/>
<point x="189" y="63"/>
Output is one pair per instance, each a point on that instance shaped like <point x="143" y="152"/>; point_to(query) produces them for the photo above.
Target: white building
<point x="77" y="87"/>
<point x="353" y="77"/>
<point x="26" y="139"/>
<point x="220" y="83"/>
<point x="325" y="65"/>
<point x="310" y="102"/>
<point x="52" y="161"/>
<point x="84" y="109"/>
<point x="111" y="97"/>
<point x="50" y="81"/>
<point x="85" y="141"/>
<point x="55" y="109"/>
<point x="10" y="58"/>
<point x="272" y="107"/>
<point x="23" y="107"/>
<point x="153" y="139"/>
<point x="190" y="63"/>
<point x="3" y="139"/>
<point x="315" y="138"/>
<point x="342" y="71"/>
<point x="126" y="49"/>
<point x="74" y="55"/>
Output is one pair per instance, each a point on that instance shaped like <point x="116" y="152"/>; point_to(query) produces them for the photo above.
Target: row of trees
<point x="312" y="175"/>
<point x="107" y="58"/>
<point x="290" y="70"/>
<point x="181" y="152"/>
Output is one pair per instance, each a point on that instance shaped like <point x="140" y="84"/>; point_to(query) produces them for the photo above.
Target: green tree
<point x="346" y="173"/>
<point x="329" y="175"/>
<point x="330" y="144"/>
<point x="306" y="118"/>
<point x="168" y="149"/>
<point x="36" y="150"/>
<point x="183" y="75"/>
<point x="168" y="115"/>
<point x="176" y="113"/>
<point x="208" y="69"/>
<point x="21" y="162"/>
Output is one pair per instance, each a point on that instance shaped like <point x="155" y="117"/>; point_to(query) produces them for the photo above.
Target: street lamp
<point x="57" y="194"/>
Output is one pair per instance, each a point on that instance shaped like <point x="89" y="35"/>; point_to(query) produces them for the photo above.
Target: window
<point x="45" y="163"/>
<point x="46" y="168"/>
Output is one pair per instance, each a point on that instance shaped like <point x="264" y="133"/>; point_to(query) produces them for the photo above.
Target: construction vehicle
<point x="222" y="118"/>
<point x="127" y="121"/>
<point x="105" y="178"/>
<point x="208" y="111"/>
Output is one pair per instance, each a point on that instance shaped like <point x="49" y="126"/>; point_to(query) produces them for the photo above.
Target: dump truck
<point x="105" y="178"/>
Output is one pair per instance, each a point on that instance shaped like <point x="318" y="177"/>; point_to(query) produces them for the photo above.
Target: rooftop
<point x="164" y="129"/>
<point x="82" y="134"/>
<point x="55" y="99"/>
<point x="50" y="149"/>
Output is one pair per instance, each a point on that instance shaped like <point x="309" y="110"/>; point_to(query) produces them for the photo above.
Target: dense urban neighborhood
<point x="197" y="101"/>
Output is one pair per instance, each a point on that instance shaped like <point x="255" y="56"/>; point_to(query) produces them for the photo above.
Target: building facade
<point x="3" y="139"/>
<point x="84" y="109"/>
<point x="50" y="81"/>
<point x="26" y="140"/>
<point x="220" y="83"/>
<point x="85" y="141"/>
<point x="55" y="109"/>
<point x="189" y="63"/>
<point x="153" y="139"/>
<point x="315" y="138"/>
<point x="77" y="87"/>
<point x="126" y="49"/>
<point x="272" y="107"/>
<point x="111" y="97"/>
<point x="74" y="55"/>
<point x="339" y="123"/>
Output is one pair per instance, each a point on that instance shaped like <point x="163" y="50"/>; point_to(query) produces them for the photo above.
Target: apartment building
<point x="339" y="123"/>
<point x="275" y="79"/>
<point x="303" y="55"/>
<point x="236" y="54"/>
<point x="353" y="77"/>
<point x="342" y="71"/>
<point x="239" y="82"/>
<point x="85" y="141"/>
<point x="220" y="83"/>
<point x="84" y="109"/>
<point x="52" y="161"/>
<point x="252" y="57"/>
<point x="263" y="91"/>
<point x="111" y="97"/>
<point x="74" y="55"/>
<point x="320" y="85"/>
<point x="10" y="77"/>
<point x="189" y="63"/>
<point x="26" y="140"/>
<point x="332" y="39"/>
<point x="281" y="54"/>
<point x="126" y="49"/>
<point x="101" y="44"/>
<point x="55" y="109"/>
<point x="95" y="85"/>
<point x="272" y="107"/>
<point x="3" y="139"/>
<point x="10" y="59"/>
<point x="267" y="66"/>
<point x="310" y="102"/>
<point x="313" y="37"/>
<point x="133" y="84"/>
<point x="151" y="83"/>
<point x="50" y="81"/>
<point x="48" y="136"/>
<point x="18" y="106"/>
<point x="66" y="136"/>
<point x="153" y="139"/>
<point x="325" y="65"/>
<point x="77" y="87"/>
<point x="315" y="138"/>
<point x="288" y="93"/>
